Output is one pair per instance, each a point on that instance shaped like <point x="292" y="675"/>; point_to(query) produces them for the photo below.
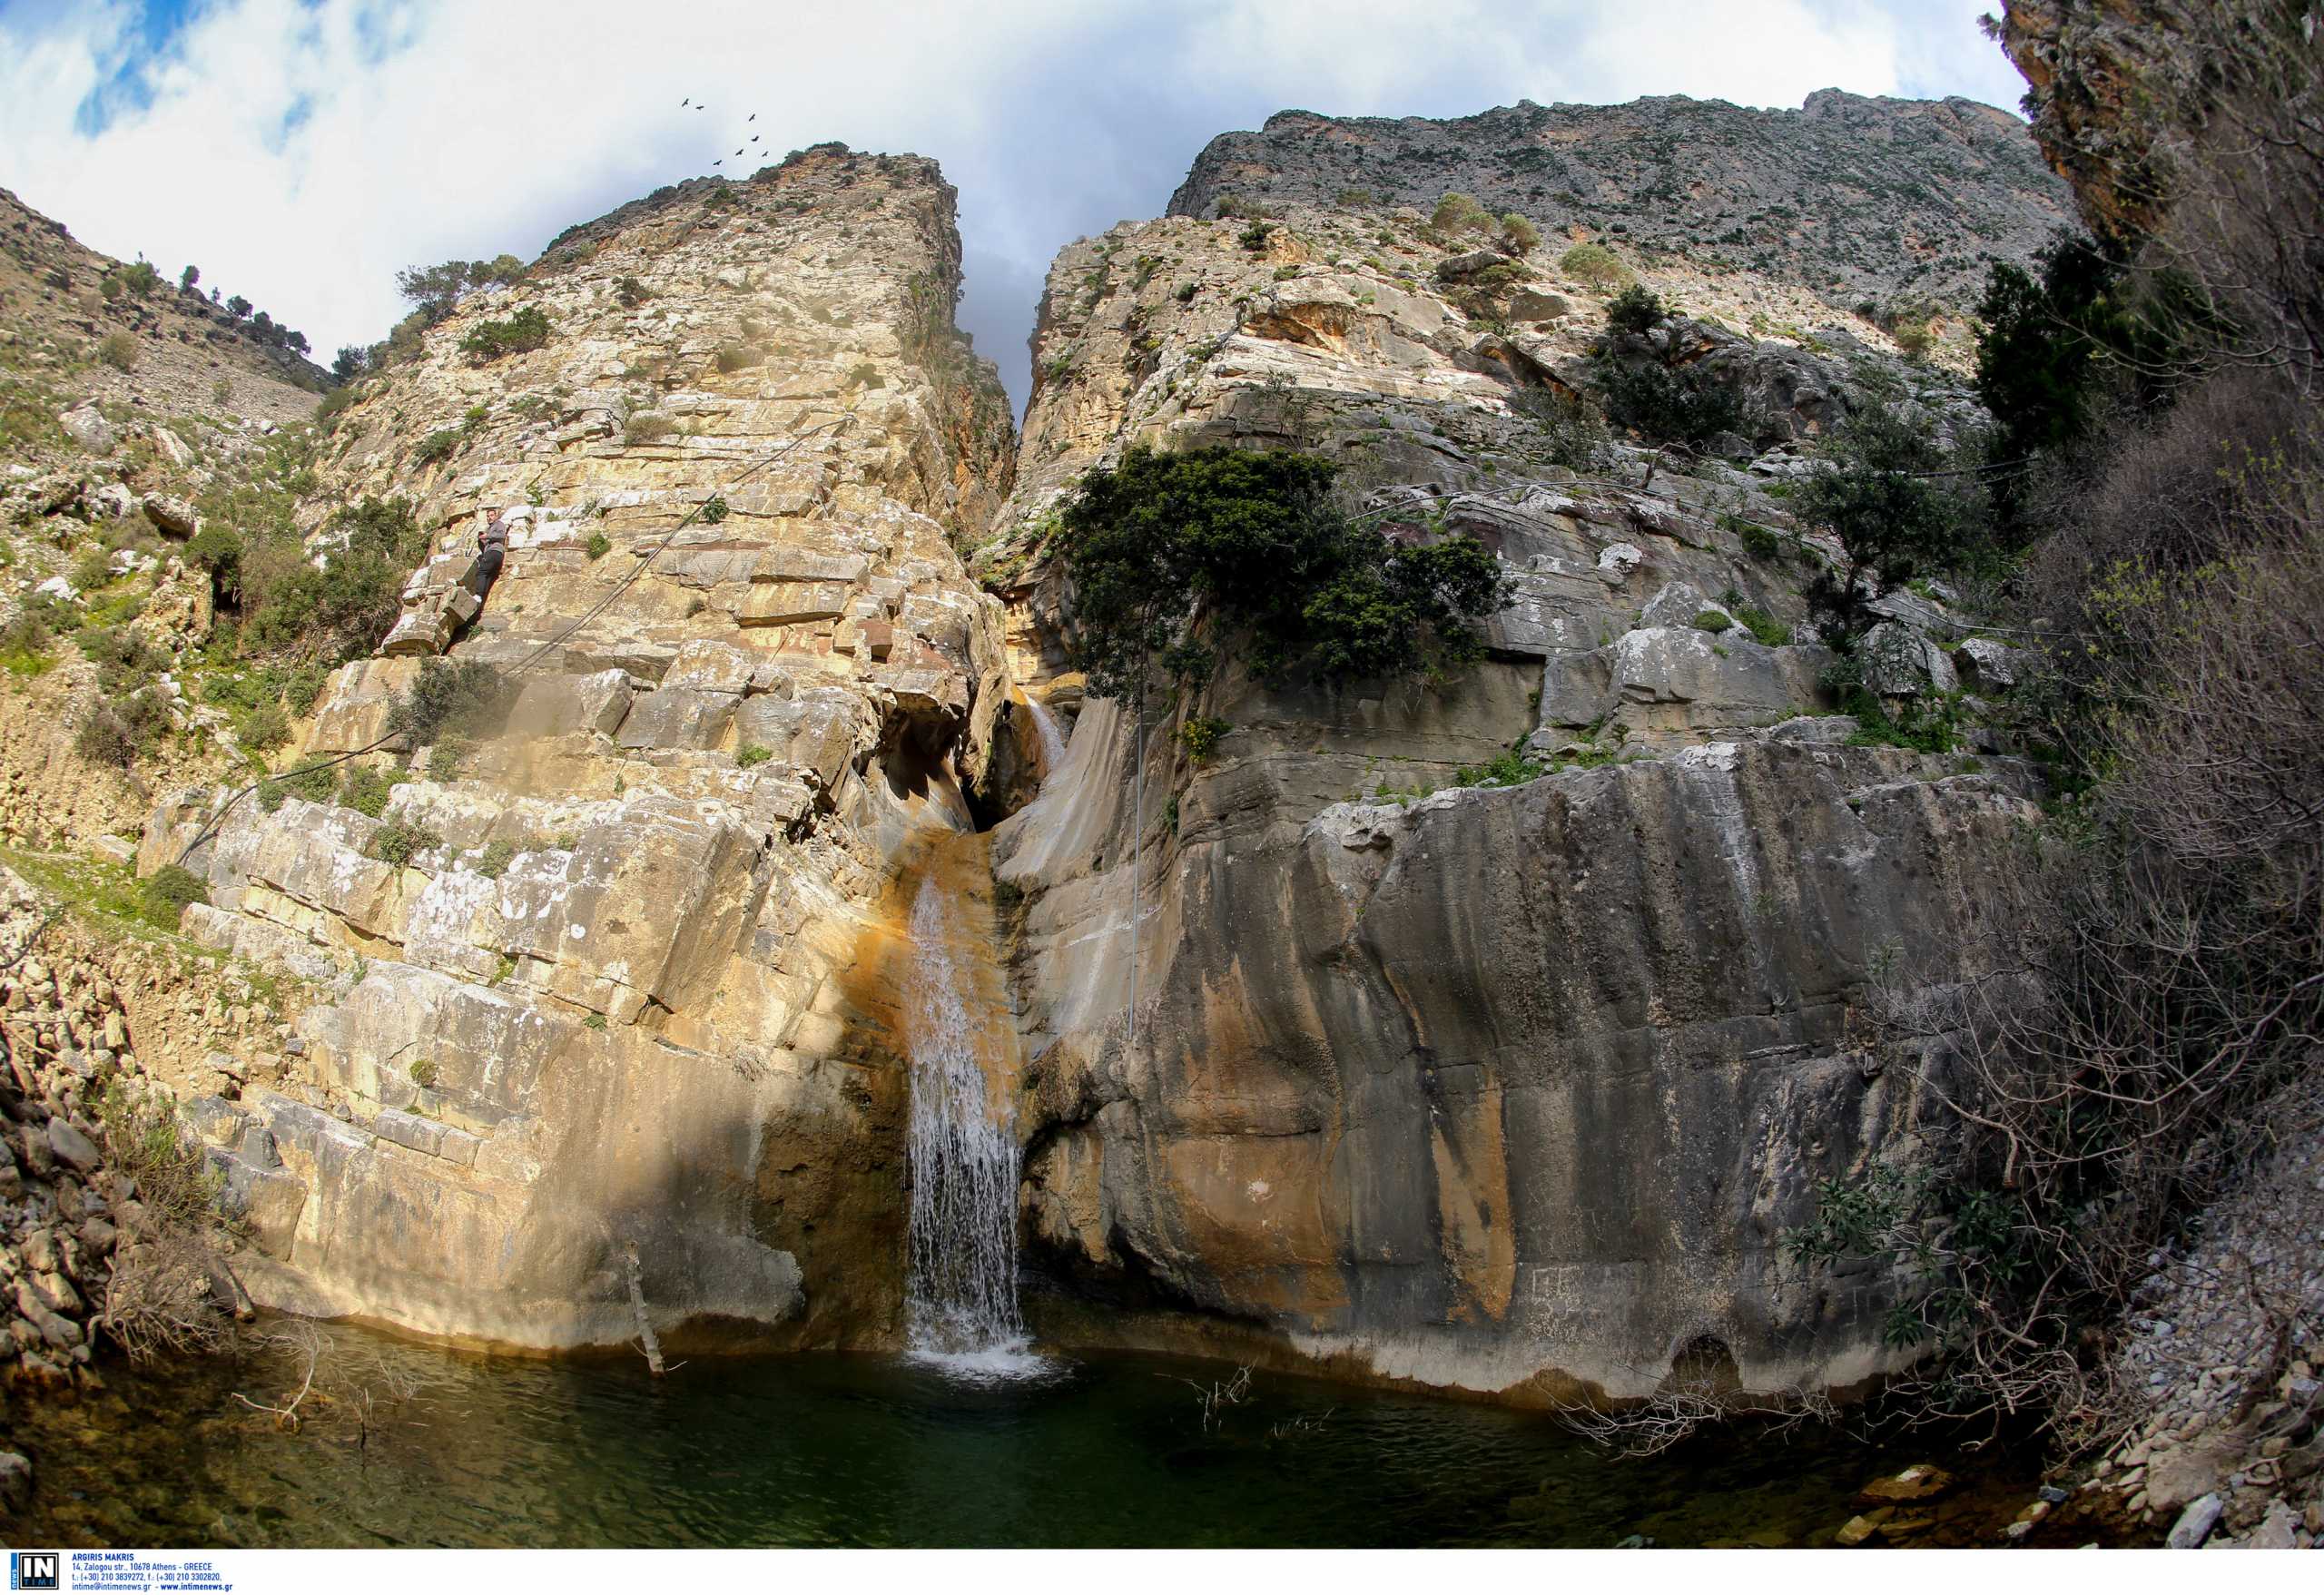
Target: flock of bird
<point x="722" y="160"/>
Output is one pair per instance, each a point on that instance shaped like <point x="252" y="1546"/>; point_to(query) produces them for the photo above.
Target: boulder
<point x="1461" y="267"/>
<point x="87" y="427"/>
<point x="1985" y="663"/>
<point x="174" y="516"/>
<point x="1921" y="1482"/>
<point x="2195" y="1524"/>
<point x="172" y="448"/>
<point x="1901" y="661"/>
<point x="72" y="1149"/>
<point x="1678" y="604"/>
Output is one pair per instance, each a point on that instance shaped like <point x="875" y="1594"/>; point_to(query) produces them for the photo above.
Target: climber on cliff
<point x="492" y="550"/>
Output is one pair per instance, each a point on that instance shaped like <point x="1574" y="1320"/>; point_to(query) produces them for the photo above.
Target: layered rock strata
<point x="1488" y="1033"/>
<point x="617" y="976"/>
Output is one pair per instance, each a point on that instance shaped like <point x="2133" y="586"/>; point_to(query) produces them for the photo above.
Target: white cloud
<point x="300" y="151"/>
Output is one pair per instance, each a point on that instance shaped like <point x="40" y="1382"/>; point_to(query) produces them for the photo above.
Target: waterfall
<point x="960" y="1288"/>
<point x="1052" y="741"/>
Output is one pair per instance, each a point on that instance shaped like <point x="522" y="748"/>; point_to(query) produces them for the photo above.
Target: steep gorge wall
<point x="1852" y="197"/>
<point x="1506" y="1087"/>
<point x="632" y="986"/>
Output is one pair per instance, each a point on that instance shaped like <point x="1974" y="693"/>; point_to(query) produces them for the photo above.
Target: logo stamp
<point x="34" y="1569"/>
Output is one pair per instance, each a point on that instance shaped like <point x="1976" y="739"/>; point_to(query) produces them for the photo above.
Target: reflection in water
<point x="877" y="1451"/>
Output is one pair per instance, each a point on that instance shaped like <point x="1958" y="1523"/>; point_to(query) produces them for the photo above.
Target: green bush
<point x="315" y="783"/>
<point x="125" y="659"/>
<point x="1519" y="234"/>
<point x="1511" y="768"/>
<point x="301" y="687"/>
<point x="1171" y="554"/>
<point x="422" y="1072"/>
<point x="365" y="790"/>
<point x="713" y="510"/>
<point x="736" y="357"/>
<point x="437" y="445"/>
<point x="217" y="552"/>
<point x="495" y="858"/>
<point x="398" y="843"/>
<point x="1759" y="542"/>
<point x="384" y="527"/>
<point x="1200" y="737"/>
<point x="632" y="292"/>
<point x="1573" y="429"/>
<point x="528" y="330"/>
<point x="118" y="349"/>
<point x="1595" y="264"/>
<point x="164" y="894"/>
<point x="1713" y="621"/>
<point x="647" y="426"/>
<point x="450" y="698"/>
<point x="142" y="278"/>
<point x="1460" y="212"/>
<point x="1685" y="405"/>
<point x="331" y="614"/>
<point x="104" y="738"/>
<point x="24" y="643"/>
<point x="1255" y="236"/>
<point x="1762" y="625"/>
<point x="753" y="755"/>
<point x="598" y="547"/>
<point x="265" y="727"/>
<point x="1877" y="487"/>
<point x="1636" y="309"/>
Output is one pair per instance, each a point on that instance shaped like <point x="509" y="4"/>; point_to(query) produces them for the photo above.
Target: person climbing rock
<point x="492" y="550"/>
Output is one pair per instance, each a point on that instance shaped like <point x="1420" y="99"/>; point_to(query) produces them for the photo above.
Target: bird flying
<point x="738" y="151"/>
<point x="719" y="162"/>
<point x="753" y="116"/>
<point x="686" y="102"/>
<point x="754" y="138"/>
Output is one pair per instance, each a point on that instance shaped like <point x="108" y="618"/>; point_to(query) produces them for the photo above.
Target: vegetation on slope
<point x="2156" y="1034"/>
<point x="1175" y="556"/>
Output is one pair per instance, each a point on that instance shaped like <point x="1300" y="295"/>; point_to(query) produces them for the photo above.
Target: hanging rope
<point x="636" y="570"/>
<point x="1136" y="851"/>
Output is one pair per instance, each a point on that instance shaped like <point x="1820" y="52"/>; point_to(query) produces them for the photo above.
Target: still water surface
<point x="1104" y="1450"/>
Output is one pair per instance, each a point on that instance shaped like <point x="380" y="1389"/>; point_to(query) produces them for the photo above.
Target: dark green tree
<point x="1173" y="555"/>
<point x="1884" y="485"/>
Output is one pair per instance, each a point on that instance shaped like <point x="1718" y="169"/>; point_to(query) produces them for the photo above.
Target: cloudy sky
<point x="300" y="151"/>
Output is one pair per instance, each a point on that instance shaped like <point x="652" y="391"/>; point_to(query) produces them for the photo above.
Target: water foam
<point x="961" y="1278"/>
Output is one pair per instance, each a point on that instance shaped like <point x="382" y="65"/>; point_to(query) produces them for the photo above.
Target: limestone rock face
<point x="1889" y="197"/>
<point x="622" y="979"/>
<point x="1489" y="1032"/>
<point x="2107" y="84"/>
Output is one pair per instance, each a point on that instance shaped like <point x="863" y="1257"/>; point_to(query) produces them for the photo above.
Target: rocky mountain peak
<point x="1895" y="201"/>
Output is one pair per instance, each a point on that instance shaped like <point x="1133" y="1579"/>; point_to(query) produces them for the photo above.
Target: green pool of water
<point x="1105" y="1451"/>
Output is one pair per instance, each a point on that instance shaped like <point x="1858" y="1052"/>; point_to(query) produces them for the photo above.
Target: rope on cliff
<point x="639" y="568"/>
<point x="1137" y="849"/>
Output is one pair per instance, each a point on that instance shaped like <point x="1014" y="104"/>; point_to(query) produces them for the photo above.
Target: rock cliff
<point x="1486" y="1033"/>
<point x="1851" y="197"/>
<point x="615" y="978"/>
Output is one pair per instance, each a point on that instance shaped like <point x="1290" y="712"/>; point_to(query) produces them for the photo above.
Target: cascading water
<point x="961" y="1287"/>
<point x="1052" y="740"/>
